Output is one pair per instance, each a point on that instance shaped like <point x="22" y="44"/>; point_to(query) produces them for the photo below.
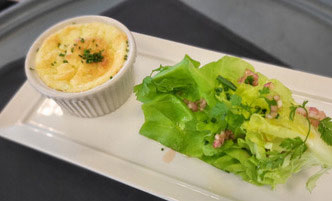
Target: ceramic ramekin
<point x="97" y="101"/>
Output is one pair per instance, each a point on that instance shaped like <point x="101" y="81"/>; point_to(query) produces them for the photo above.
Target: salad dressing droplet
<point x="169" y="156"/>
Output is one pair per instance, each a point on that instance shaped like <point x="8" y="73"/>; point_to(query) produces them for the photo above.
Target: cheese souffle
<point x="85" y="64"/>
<point x="80" y="57"/>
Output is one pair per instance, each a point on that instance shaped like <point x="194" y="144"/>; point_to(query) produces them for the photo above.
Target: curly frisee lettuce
<point x="235" y="119"/>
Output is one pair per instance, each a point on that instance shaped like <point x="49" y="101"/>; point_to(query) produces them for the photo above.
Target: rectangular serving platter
<point x="111" y="145"/>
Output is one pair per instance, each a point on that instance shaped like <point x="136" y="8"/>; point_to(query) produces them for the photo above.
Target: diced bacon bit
<point x="219" y="139"/>
<point x="301" y="111"/>
<point x="202" y="104"/>
<point x="249" y="73"/>
<point x="274" y="108"/>
<point x="276" y="97"/>
<point x="269" y="85"/>
<point x="279" y="103"/>
<point x="278" y="100"/>
<point x="315" y="115"/>
<point x="194" y="106"/>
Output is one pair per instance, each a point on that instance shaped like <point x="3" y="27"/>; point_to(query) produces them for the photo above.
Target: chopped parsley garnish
<point x="72" y="50"/>
<point x="265" y="90"/>
<point x="61" y="55"/>
<point x="92" y="57"/>
<point x="111" y="77"/>
<point x="82" y="40"/>
<point x="213" y="120"/>
<point x="270" y="102"/>
<point x="226" y="82"/>
<point x="264" y="111"/>
<point x="249" y="80"/>
<point x="59" y="44"/>
<point x="218" y="90"/>
<point x="31" y="68"/>
<point x="278" y="115"/>
<point x="125" y="57"/>
<point x="65" y="61"/>
<point x="228" y="96"/>
<point x="53" y="63"/>
<point x="325" y="129"/>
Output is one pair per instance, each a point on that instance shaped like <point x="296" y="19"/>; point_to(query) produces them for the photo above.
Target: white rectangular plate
<point x="111" y="145"/>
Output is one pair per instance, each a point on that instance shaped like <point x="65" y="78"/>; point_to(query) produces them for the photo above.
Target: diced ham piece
<point x="276" y="97"/>
<point x="219" y="139"/>
<point x="315" y="115"/>
<point x="195" y="106"/>
<point x="202" y="104"/>
<point x="269" y="85"/>
<point x="274" y="108"/>
<point x="301" y="111"/>
<point x="279" y="103"/>
<point x="249" y="73"/>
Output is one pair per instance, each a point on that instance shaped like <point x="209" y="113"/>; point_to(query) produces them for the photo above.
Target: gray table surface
<point x="297" y="32"/>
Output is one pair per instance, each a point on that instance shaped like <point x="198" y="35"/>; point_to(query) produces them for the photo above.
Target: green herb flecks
<point x="111" y="77"/>
<point x="61" y="55"/>
<point x="226" y="82"/>
<point x="270" y="102"/>
<point x="92" y="57"/>
<point x="82" y="40"/>
<point x="53" y="63"/>
<point x="218" y="90"/>
<point x="249" y="80"/>
<point x="264" y="91"/>
<point x="65" y="61"/>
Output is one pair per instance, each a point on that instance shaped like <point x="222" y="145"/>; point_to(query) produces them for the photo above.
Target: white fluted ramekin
<point x="99" y="100"/>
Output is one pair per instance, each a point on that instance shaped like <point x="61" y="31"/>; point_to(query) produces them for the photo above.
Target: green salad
<point x="236" y="119"/>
